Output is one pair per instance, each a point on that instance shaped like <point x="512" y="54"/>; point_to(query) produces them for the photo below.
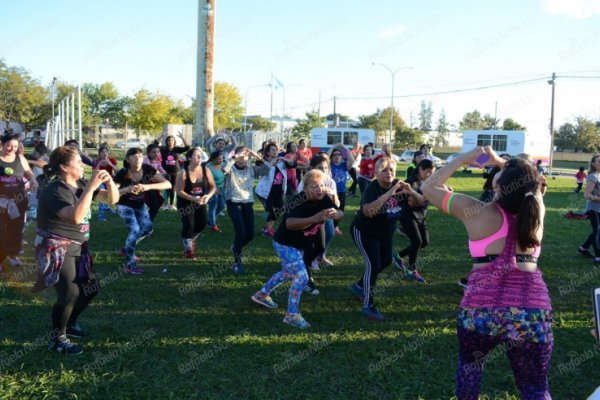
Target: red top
<point x="367" y="166"/>
<point x="307" y="152"/>
<point x="108" y="168"/>
<point x="580" y="176"/>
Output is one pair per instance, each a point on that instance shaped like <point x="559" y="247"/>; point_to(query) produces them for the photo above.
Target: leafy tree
<point x="489" y="122"/>
<point x="471" y="121"/>
<point x="380" y="120"/>
<point x="441" y="139"/>
<point x="150" y="111"/>
<point x="228" y="110"/>
<point x="183" y="114"/>
<point x="588" y="137"/>
<point x="259" y="123"/>
<point x="303" y="126"/>
<point x="510" y="125"/>
<point x="565" y="137"/>
<point x="407" y="137"/>
<point x="425" y="117"/>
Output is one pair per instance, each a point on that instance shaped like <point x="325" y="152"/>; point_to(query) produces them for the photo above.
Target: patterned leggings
<point x="137" y="220"/>
<point x="529" y="362"/>
<point x="292" y="268"/>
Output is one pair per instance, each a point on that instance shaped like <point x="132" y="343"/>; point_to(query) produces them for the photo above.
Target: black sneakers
<point x="584" y="252"/>
<point x="75" y="331"/>
<point x="462" y="282"/>
<point x="62" y="345"/>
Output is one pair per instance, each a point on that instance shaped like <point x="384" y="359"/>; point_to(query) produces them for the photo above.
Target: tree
<point x="407" y="137"/>
<point x="489" y="122"/>
<point x="259" y="123"/>
<point x="588" y="137"/>
<point x="21" y="97"/>
<point x="565" y="137"/>
<point x="510" y="125"/>
<point x="228" y="110"/>
<point x="471" y="121"/>
<point x="425" y="117"/>
<point x="150" y="111"/>
<point x="183" y="114"/>
<point x="441" y="139"/>
<point x="303" y="126"/>
<point x="380" y="120"/>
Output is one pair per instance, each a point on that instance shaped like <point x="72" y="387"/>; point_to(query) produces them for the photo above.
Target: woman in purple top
<point x="506" y="302"/>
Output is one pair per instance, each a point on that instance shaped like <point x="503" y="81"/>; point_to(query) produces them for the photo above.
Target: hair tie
<point x="528" y="194"/>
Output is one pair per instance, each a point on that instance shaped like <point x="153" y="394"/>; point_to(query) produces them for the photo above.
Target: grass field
<point x="188" y="330"/>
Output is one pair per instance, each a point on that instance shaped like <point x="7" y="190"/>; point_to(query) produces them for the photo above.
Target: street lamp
<point x="393" y="74"/>
<point x="552" y="82"/>
<point x="283" y="104"/>
<point x="246" y="102"/>
<point x="52" y="95"/>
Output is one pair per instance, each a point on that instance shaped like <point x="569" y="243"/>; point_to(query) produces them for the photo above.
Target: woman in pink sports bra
<point x="506" y="301"/>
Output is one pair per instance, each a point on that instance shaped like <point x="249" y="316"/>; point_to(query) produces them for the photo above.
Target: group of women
<point x="506" y="299"/>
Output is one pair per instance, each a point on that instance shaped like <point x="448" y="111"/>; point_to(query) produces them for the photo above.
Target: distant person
<point x="353" y="171"/>
<point x="154" y="198"/>
<point x="340" y="169"/>
<point x="216" y="204"/>
<point x="307" y="153"/>
<point x="539" y="166"/>
<point x="87" y="160"/>
<point x="169" y="154"/>
<point x="296" y="235"/>
<point x="292" y="154"/>
<point x="417" y="157"/>
<point x="425" y="150"/>
<point x="366" y="172"/>
<point x="109" y="164"/>
<point x="506" y="302"/>
<point x="592" y="209"/>
<point x="271" y="187"/>
<point x="223" y="142"/>
<point x="580" y="178"/>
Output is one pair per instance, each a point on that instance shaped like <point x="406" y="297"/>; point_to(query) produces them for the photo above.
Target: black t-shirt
<point x="170" y="158"/>
<point x="384" y="222"/>
<point x="123" y="179"/>
<point x="417" y="212"/>
<point x="53" y="198"/>
<point x="298" y="206"/>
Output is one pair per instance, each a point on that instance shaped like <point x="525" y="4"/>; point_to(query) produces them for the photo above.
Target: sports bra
<point x="477" y="247"/>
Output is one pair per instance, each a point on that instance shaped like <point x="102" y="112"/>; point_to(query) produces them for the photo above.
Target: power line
<point x="578" y="77"/>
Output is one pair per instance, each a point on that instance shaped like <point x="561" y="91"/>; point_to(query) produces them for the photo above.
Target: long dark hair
<point x="60" y="156"/>
<point x="188" y="157"/>
<point x="592" y="161"/>
<point x="268" y="147"/>
<point x="130" y="152"/>
<point x="288" y="147"/>
<point x="415" y="155"/>
<point x="10" y="136"/>
<point x="519" y="182"/>
<point x="214" y="155"/>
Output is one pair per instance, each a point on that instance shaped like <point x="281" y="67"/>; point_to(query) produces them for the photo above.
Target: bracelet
<point x="447" y="201"/>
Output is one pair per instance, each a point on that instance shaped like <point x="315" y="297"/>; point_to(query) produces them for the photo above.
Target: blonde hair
<point x="384" y="162"/>
<point x="312" y="176"/>
<point x="524" y="156"/>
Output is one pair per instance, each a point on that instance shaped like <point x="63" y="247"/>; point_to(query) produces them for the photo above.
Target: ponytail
<point x="59" y="156"/>
<point x="528" y="222"/>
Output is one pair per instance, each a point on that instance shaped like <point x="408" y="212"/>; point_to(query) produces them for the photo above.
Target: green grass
<point x="187" y="330"/>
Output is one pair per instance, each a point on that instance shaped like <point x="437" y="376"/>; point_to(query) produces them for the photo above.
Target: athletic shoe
<point x="584" y="252"/>
<point x="189" y="254"/>
<point x="398" y="261"/>
<point x="414" y="276"/>
<point x="173" y="207"/>
<point x="76" y="331"/>
<point x="102" y="218"/>
<point x="311" y="290"/>
<point x="64" y="346"/>
<point x="462" y="282"/>
<point x="357" y="291"/>
<point x="238" y="268"/>
<point x="15" y="262"/>
<point x="122" y="253"/>
<point x="296" y="320"/>
<point x="215" y="228"/>
<point x="133" y="269"/>
<point x="266" y="301"/>
<point x="325" y="261"/>
<point x="268" y="232"/>
<point x="314" y="265"/>
<point x="372" y="313"/>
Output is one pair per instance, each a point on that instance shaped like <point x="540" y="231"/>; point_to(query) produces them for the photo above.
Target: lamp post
<point x="283" y="88"/>
<point x="246" y="102"/>
<point x="52" y="95"/>
<point x="393" y="74"/>
<point x="552" y="82"/>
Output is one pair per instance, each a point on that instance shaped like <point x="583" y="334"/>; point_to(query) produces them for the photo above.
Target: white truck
<point x="537" y="145"/>
<point x="321" y="139"/>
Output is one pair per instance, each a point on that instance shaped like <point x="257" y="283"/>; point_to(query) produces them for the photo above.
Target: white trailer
<point x="321" y="139"/>
<point x="537" y="145"/>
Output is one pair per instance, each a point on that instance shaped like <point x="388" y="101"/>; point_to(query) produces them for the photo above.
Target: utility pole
<point x="204" y="71"/>
<point x="553" y="83"/>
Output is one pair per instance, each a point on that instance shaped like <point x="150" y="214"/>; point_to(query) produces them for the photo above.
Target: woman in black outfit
<point x="170" y="162"/>
<point x="61" y="249"/>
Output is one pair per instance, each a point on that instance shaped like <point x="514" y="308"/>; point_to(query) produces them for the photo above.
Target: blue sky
<point x="327" y="47"/>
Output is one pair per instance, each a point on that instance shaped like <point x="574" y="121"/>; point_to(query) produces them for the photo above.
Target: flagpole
<point x="271" y="98"/>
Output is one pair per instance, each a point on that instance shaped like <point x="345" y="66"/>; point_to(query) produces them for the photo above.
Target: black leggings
<point x="171" y="192"/>
<point x="342" y="198"/>
<point x="193" y="218"/>
<point x="377" y="254"/>
<point x="74" y="293"/>
<point x="154" y="201"/>
<point x="354" y="177"/>
<point x="594" y="238"/>
<point x="242" y="217"/>
<point x="419" y="238"/>
<point x="273" y="204"/>
<point x="11" y="236"/>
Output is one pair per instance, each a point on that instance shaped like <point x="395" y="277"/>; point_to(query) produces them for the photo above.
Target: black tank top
<point x="11" y="177"/>
<point x="197" y="189"/>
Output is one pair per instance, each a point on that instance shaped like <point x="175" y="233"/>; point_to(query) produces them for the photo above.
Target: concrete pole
<point x="553" y="83"/>
<point x="204" y="71"/>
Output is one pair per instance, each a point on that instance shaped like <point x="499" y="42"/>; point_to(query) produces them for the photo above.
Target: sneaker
<point x="15" y="262"/>
<point x="238" y="268"/>
<point x="338" y="231"/>
<point x="122" y="253"/>
<point x="64" y="346"/>
<point x="372" y="313"/>
<point x="296" y="320"/>
<point x="215" y="228"/>
<point x="189" y="254"/>
<point x="133" y="269"/>
<point x="315" y="266"/>
<point x="173" y="207"/>
<point x="311" y="290"/>
<point x="398" y="261"/>
<point x="76" y="331"/>
<point x="584" y="252"/>
<point x="462" y="282"/>
<point x="266" y="301"/>
<point x="357" y="291"/>
<point x="102" y="218"/>
<point x="268" y="232"/>
<point x="414" y="276"/>
<point x="325" y="261"/>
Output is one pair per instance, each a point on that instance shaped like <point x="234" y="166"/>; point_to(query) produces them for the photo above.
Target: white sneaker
<point x="15" y="262"/>
<point x="315" y="266"/>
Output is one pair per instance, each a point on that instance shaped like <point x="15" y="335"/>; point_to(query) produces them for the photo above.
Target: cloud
<point x="392" y="31"/>
<point x="577" y="9"/>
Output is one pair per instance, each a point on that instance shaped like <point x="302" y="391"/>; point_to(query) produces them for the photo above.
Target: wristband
<point x="447" y="201"/>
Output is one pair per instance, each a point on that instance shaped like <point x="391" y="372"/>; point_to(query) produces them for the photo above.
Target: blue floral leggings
<point x="292" y="268"/>
<point x="138" y="221"/>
